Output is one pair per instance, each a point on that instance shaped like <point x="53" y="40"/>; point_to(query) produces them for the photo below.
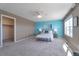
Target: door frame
<point x="2" y="15"/>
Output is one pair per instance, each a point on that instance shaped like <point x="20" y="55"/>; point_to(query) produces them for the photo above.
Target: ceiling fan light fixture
<point x="39" y="16"/>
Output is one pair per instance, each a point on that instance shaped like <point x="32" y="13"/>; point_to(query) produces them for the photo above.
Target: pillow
<point x="46" y="31"/>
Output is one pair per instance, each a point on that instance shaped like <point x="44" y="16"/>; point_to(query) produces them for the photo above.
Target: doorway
<point x="8" y="29"/>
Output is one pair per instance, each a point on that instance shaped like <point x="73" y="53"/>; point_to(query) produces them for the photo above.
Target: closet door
<point x="8" y="33"/>
<point x="8" y="29"/>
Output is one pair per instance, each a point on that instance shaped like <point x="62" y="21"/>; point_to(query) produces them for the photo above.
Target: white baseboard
<point x="22" y="39"/>
<point x="19" y="40"/>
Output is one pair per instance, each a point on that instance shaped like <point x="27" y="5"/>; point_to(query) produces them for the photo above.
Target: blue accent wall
<point x="58" y="24"/>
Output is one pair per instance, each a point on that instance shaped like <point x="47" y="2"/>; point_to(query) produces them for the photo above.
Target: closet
<point x="8" y="29"/>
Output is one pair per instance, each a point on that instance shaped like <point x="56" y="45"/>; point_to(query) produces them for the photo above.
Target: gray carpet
<point x="31" y="47"/>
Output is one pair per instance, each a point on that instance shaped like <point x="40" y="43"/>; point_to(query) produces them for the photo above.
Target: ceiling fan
<point x="39" y="13"/>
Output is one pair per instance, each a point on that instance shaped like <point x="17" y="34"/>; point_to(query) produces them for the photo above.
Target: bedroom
<point x="37" y="27"/>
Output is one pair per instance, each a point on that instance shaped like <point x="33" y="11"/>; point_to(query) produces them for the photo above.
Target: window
<point x="69" y="27"/>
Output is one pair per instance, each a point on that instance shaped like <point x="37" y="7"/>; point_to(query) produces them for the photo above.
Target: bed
<point x="45" y="36"/>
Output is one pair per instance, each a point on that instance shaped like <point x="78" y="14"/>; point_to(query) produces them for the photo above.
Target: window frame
<point x="68" y="26"/>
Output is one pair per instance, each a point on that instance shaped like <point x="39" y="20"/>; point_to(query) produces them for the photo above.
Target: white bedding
<point x="45" y="35"/>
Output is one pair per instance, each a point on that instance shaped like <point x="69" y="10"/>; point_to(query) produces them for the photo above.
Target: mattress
<point x="45" y="36"/>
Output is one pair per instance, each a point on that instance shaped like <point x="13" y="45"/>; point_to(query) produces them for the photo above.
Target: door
<point x="8" y="33"/>
<point x="8" y="29"/>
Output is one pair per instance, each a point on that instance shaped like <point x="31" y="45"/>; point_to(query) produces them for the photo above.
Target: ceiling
<point x="49" y="11"/>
